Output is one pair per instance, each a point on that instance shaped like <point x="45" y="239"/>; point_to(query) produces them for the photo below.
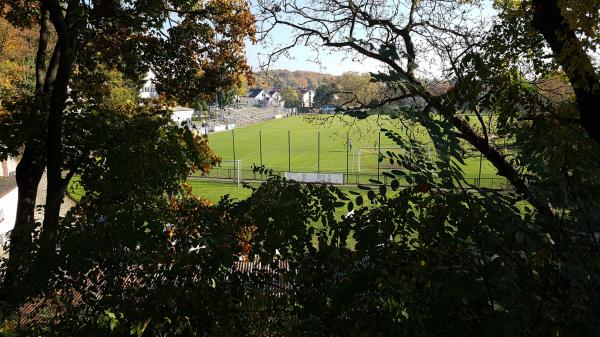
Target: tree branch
<point x="448" y="111"/>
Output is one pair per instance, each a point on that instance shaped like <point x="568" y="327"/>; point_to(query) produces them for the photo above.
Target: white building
<point x="255" y="97"/>
<point x="148" y="90"/>
<point x="307" y="97"/>
<point x="262" y="98"/>
<point x="276" y="99"/>
<point x="182" y="115"/>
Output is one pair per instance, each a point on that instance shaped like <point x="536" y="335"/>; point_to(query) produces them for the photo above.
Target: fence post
<point x="378" y="152"/>
<point x="289" y="153"/>
<point x="347" y="152"/>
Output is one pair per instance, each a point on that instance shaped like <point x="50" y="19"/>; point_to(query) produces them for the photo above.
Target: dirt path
<point x="39" y="207"/>
<point x="41" y="201"/>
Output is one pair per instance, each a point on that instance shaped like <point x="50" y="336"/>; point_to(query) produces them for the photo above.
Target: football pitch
<point x="326" y="144"/>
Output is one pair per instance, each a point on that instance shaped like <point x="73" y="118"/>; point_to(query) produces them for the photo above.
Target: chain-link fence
<point x="314" y="152"/>
<point x="349" y="179"/>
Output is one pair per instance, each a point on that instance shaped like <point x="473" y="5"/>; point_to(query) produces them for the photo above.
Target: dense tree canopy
<point x="326" y="94"/>
<point x="291" y="97"/>
<point x="446" y="61"/>
<point x="439" y="257"/>
<point x="295" y="79"/>
<point x="101" y="48"/>
<point x="357" y="90"/>
<point x="17" y="52"/>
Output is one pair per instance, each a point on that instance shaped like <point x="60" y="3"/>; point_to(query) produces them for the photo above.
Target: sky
<point x="332" y="61"/>
<point x="303" y="58"/>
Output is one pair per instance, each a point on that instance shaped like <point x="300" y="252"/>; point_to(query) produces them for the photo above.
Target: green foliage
<point x="200" y="104"/>
<point x="291" y="98"/>
<point x="293" y="79"/>
<point x="17" y="55"/>
<point x="107" y="87"/>
<point x="225" y="97"/>
<point x="20" y="121"/>
<point x="357" y="90"/>
<point x="325" y="94"/>
<point x="453" y="257"/>
<point x="112" y="141"/>
<point x="92" y="72"/>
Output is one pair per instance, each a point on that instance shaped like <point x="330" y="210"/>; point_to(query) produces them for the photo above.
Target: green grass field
<point x="320" y="145"/>
<point x="305" y="136"/>
<point x="214" y="190"/>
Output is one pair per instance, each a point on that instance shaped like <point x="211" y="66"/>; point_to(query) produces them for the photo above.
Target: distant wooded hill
<point x="295" y="79"/>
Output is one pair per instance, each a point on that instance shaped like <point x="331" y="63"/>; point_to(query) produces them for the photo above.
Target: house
<point x="307" y="97"/>
<point x="276" y="99"/>
<point x="148" y="90"/>
<point x="256" y="97"/>
<point x="263" y="98"/>
<point x="180" y="115"/>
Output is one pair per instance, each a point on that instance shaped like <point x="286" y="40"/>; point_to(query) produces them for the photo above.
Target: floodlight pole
<point x="289" y="153"/>
<point x="378" y="152"/>
<point x="347" y="152"/>
<point x="318" y="152"/>
<point x="233" y="142"/>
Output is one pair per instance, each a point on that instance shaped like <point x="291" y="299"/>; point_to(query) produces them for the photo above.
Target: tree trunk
<point x="570" y="54"/>
<point x="29" y="172"/>
<point x="56" y="185"/>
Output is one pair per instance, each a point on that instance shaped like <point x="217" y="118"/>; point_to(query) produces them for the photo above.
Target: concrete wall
<point x="8" y="167"/>
<point x="8" y="203"/>
<point x="310" y="177"/>
<point x="181" y="116"/>
<point x="218" y="128"/>
<point x="247" y="101"/>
